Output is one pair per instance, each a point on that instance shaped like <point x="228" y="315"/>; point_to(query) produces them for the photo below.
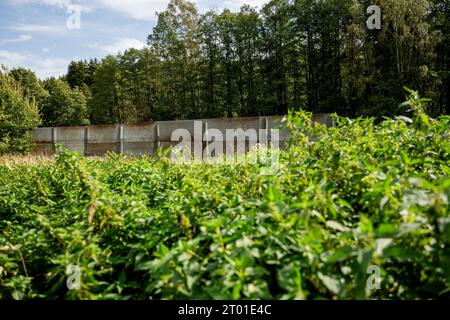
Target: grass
<point x="19" y="159"/>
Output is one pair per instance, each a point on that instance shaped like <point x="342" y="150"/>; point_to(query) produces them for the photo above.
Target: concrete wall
<point x="43" y="139"/>
<point x="146" y="138"/>
<point x="139" y="139"/>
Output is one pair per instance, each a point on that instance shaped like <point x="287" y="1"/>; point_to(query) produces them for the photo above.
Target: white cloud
<point x="21" y="38"/>
<point x="38" y="28"/>
<point x="141" y="9"/>
<point x="58" y="3"/>
<point x="61" y="4"/>
<point x="120" y="45"/>
<point x="137" y="9"/>
<point x="50" y="67"/>
<point x="12" y="59"/>
<point x="146" y="9"/>
<point x="44" y="68"/>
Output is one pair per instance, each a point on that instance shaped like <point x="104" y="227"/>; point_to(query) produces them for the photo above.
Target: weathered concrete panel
<point x="276" y="122"/>
<point x="167" y="144"/>
<point x="240" y="146"/>
<point x="139" y="148"/>
<point x="248" y="125"/>
<point x="103" y="134"/>
<point x="69" y="134"/>
<point x="44" y="149"/>
<point x="191" y="146"/>
<point x="73" y="146"/>
<point x="101" y="149"/>
<point x="137" y="133"/>
<point x="166" y="128"/>
<point x="71" y="138"/>
<point x="42" y="135"/>
<point x="323" y="118"/>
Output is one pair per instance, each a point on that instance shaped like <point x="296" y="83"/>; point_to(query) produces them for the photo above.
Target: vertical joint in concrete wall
<point x="332" y="121"/>
<point x="121" y="138"/>
<point x="54" y="139"/>
<point x="198" y="140"/>
<point x="157" y="142"/>
<point x="206" y="138"/>
<point x="86" y="140"/>
<point x="264" y="130"/>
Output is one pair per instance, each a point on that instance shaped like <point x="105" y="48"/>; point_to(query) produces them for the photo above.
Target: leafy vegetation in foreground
<point x="361" y="194"/>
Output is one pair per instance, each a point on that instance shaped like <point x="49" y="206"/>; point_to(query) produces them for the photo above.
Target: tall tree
<point x="226" y="22"/>
<point x="440" y="20"/>
<point x="105" y="107"/>
<point x="400" y="54"/>
<point x="64" y="106"/>
<point x="280" y="58"/>
<point x="211" y="98"/>
<point x="175" y="42"/>
<point x="30" y="84"/>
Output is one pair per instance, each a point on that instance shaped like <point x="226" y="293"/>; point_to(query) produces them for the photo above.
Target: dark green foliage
<point x="440" y="21"/>
<point x="80" y="73"/>
<point x="53" y="100"/>
<point x="18" y="114"/>
<point x="360" y="194"/>
<point x="30" y="85"/>
<point x="64" y="106"/>
<point x="105" y="99"/>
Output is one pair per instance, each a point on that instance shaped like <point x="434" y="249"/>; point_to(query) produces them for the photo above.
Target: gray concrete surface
<point x="146" y="138"/>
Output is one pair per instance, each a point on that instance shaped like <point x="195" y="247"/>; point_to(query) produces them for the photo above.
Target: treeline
<point x="26" y="103"/>
<point x="317" y="55"/>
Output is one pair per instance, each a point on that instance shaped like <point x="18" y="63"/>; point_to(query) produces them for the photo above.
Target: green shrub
<point x="18" y="114"/>
<point x="64" y="106"/>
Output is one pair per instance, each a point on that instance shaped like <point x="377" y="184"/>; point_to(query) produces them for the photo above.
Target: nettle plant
<point x="359" y="210"/>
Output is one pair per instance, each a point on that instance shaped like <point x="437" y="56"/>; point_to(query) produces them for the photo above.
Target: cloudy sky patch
<point x="34" y="33"/>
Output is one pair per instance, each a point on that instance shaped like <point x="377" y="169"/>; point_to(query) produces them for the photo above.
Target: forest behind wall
<point x="317" y="55"/>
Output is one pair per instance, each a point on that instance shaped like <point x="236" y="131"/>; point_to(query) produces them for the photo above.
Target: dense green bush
<point x="31" y="85"/>
<point x="358" y="194"/>
<point x="18" y="114"/>
<point x="64" y="106"/>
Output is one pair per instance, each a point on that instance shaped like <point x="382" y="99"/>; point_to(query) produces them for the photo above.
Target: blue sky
<point x="43" y="35"/>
